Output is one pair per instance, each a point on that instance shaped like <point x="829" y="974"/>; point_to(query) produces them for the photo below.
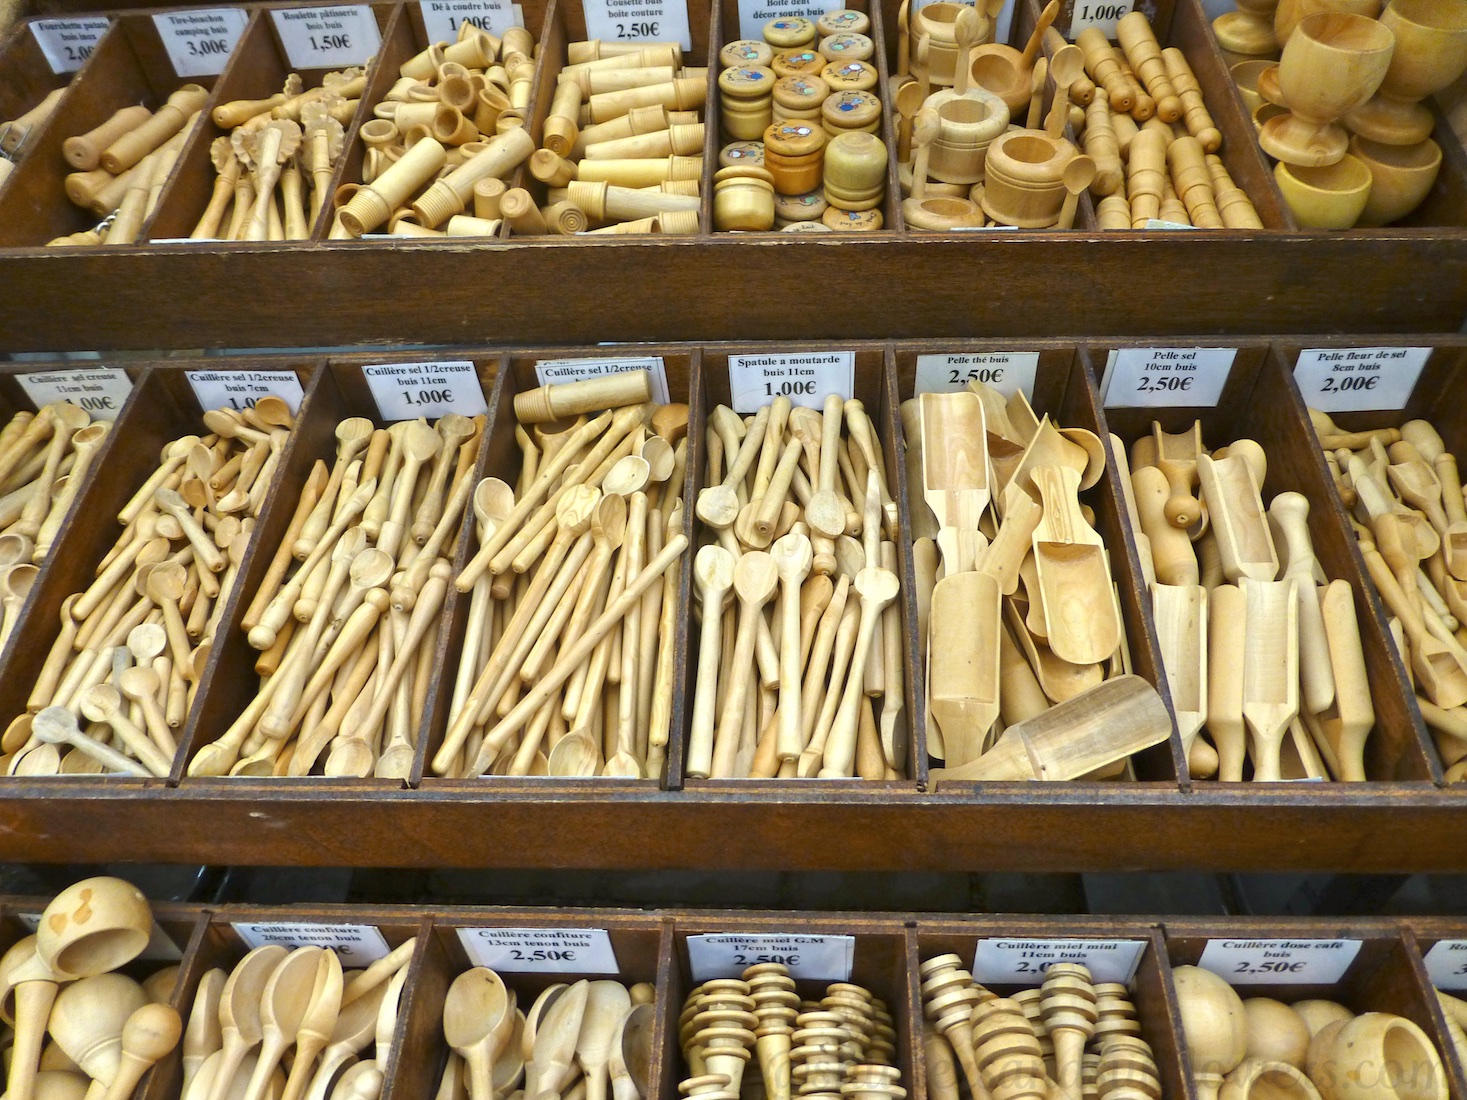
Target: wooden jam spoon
<point x="478" y="1014"/>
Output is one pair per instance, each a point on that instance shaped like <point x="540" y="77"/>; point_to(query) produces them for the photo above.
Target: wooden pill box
<point x="893" y="283"/>
<point x="1386" y="974"/>
<point x="1402" y="819"/>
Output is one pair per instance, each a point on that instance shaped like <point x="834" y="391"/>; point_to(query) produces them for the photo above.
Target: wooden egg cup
<point x="1431" y="52"/>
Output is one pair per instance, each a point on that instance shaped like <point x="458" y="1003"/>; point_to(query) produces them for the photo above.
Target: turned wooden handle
<point x="566" y="399"/>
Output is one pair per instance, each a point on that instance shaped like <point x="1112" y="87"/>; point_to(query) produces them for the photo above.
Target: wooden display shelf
<point x="1386" y="972"/>
<point x="1401" y="820"/>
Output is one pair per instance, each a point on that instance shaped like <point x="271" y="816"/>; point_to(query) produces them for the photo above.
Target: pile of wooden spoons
<point x="567" y="662"/>
<point x="1071" y="1037"/>
<point x="295" y="1009"/>
<point x="575" y="1040"/>
<point x="1017" y="608"/>
<point x="454" y="120"/>
<point x="1260" y="647"/>
<point x="1309" y="1050"/>
<point x="44" y="459"/>
<point x="754" y="1036"/>
<point x="801" y="626"/>
<point x="134" y="644"/>
<point x="279" y="148"/>
<point x="1404" y="494"/>
<point x="105" y="1028"/>
<point x="347" y="615"/>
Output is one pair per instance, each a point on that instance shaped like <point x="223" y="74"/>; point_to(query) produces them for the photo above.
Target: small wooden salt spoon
<point x="57" y="726"/>
<point x="1078" y="174"/>
<point x="103" y="703"/>
<point x="15" y="586"/>
<point x="478" y="1012"/>
<point x="239" y="1012"/>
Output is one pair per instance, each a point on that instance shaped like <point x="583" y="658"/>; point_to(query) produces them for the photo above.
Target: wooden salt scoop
<point x="265" y="151"/>
<point x="963" y="662"/>
<point x="1181" y="635"/>
<point x="1237" y="517"/>
<point x="1176" y="457"/>
<point x="631" y="1054"/>
<point x="1270" y="670"/>
<point x="1172" y="557"/>
<point x="954" y="458"/>
<point x="1440" y="672"/>
<point x="1107" y="723"/>
<point x="877" y="587"/>
<point x="1350" y="717"/>
<point x="1080" y="619"/>
<point x="713" y="573"/>
<point x="607" y="1004"/>
<point x="1289" y="515"/>
<point x="1429" y="446"/>
<point x="1013" y="542"/>
<point x="555" y="1041"/>
<point x="316" y="1025"/>
<point x="239" y="1012"/>
<point x="478" y="1014"/>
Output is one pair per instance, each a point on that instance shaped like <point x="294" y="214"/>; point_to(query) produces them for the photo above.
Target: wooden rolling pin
<point x="798" y="521"/>
<point x="347" y="615"/>
<point x="134" y="643"/>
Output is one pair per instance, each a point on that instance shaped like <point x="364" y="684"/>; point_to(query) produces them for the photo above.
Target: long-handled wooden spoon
<point x="239" y="1012"/>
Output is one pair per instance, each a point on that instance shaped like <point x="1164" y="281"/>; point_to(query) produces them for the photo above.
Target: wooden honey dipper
<point x="1069" y="1011"/>
<point x="1007" y="1051"/>
<point x="949" y="999"/>
<point x="775" y="1008"/>
<point x="1127" y="1070"/>
<point x="1028" y="1001"/>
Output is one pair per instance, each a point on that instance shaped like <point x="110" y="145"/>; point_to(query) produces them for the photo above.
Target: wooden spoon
<point x="755" y="579"/>
<point x="1078" y="174"/>
<point x="1074" y="573"/>
<point x="57" y="726"/>
<point x="283" y="1006"/>
<point x="963" y="662"/>
<point x="631" y="1054"/>
<point x="103" y="703"/>
<point x="203" y="1037"/>
<point x="877" y="587"/>
<point x="15" y="586"/>
<point x="793" y="557"/>
<point x="1065" y="67"/>
<point x="1270" y="670"/>
<point x="354" y="1029"/>
<point x="555" y="1041"/>
<point x="1181" y="635"/>
<point x="478" y="1013"/>
<point x="576" y="755"/>
<point x="239" y="1012"/>
<point x="607" y="1004"/>
<point x="150" y="1033"/>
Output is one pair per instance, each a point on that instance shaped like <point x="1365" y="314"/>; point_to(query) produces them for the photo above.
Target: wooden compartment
<point x="503" y="458"/>
<point x="404" y="37"/>
<point x="1384" y="974"/>
<point x="1049" y="940"/>
<point x="29" y="80"/>
<point x="565" y="22"/>
<point x="872" y="386"/>
<point x="1436" y="397"/>
<point x="641" y="944"/>
<point x="730" y="28"/>
<point x="161" y="408"/>
<point x="879" y="960"/>
<point x="129" y="65"/>
<point x="1441" y="943"/>
<point x="257" y="70"/>
<point x="340" y="390"/>
<point x="1061" y="391"/>
<point x="1259" y="402"/>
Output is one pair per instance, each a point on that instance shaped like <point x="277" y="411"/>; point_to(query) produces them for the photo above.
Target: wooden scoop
<point x="954" y="458"/>
<point x="963" y="664"/>
<point x="478" y="1013"/>
<point x="1348" y="721"/>
<point x="1011" y="545"/>
<point x="239" y="1012"/>
<point x="1289" y="515"/>
<point x="1176" y="457"/>
<point x="1440" y="671"/>
<point x="1238" y="520"/>
<point x="1181" y="635"/>
<point x="607" y="1004"/>
<point x="555" y="1041"/>
<point x="1270" y="670"/>
<point x="1074" y="573"/>
<point x="1107" y="723"/>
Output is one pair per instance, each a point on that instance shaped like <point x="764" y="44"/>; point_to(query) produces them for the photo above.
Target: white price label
<point x="442" y="18"/>
<point x="406" y="391"/>
<point x="753" y="14"/>
<point x="556" y="371"/>
<point x="1279" y="962"/>
<point x="1446" y="963"/>
<point x="100" y="391"/>
<point x="67" y="43"/>
<point x="355" y="945"/>
<point x="160" y="947"/>
<point x="818" y="958"/>
<point x="1355" y="379"/>
<point x="1024" y="961"/>
<point x="200" y="41"/>
<point x="541" y="950"/>
<point x="1100" y="14"/>
<point x="1008" y="372"/>
<point x="1152" y="378"/>
<point x="639" y="21"/>
<point x="327" y="38"/>
<point x="806" y="378"/>
<point x="240" y="389"/>
<point x="1158" y="223"/>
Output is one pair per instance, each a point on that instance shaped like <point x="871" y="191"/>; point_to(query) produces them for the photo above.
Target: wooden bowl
<point x="1024" y="178"/>
<point x="93" y="926"/>
<point x="942" y="214"/>
<point x="1258" y="1079"/>
<point x="1245" y="76"/>
<point x="1401" y="177"/>
<point x="1332" y="196"/>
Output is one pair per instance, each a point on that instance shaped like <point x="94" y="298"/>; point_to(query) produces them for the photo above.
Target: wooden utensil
<point x="631" y="1054"/>
<point x="555" y="1041"/>
<point x="1238" y="520"/>
<point x="877" y="587"/>
<point x="151" y="1032"/>
<point x="239" y="1012"/>
<point x="203" y="1036"/>
<point x="954" y="458"/>
<point x="1108" y="722"/>
<point x="1176" y="457"/>
<point x="1439" y="670"/>
<point x="1181" y="635"/>
<point x="607" y="1004"/>
<point x="1074" y="573"/>
<point x="1270" y="670"/>
<point x="963" y="662"/>
<point x="1214" y="1026"/>
<point x="283" y="1004"/>
<point x="1347" y="722"/>
<point x="88" y="1019"/>
<point x="755" y="579"/>
<point x="713" y="573"/>
<point x="1227" y="639"/>
<point x="354" y="1029"/>
<point x="1289" y="513"/>
<point x="478" y="1012"/>
<point x="793" y="557"/>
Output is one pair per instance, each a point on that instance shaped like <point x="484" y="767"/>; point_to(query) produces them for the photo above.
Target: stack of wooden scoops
<point x="801" y="530"/>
